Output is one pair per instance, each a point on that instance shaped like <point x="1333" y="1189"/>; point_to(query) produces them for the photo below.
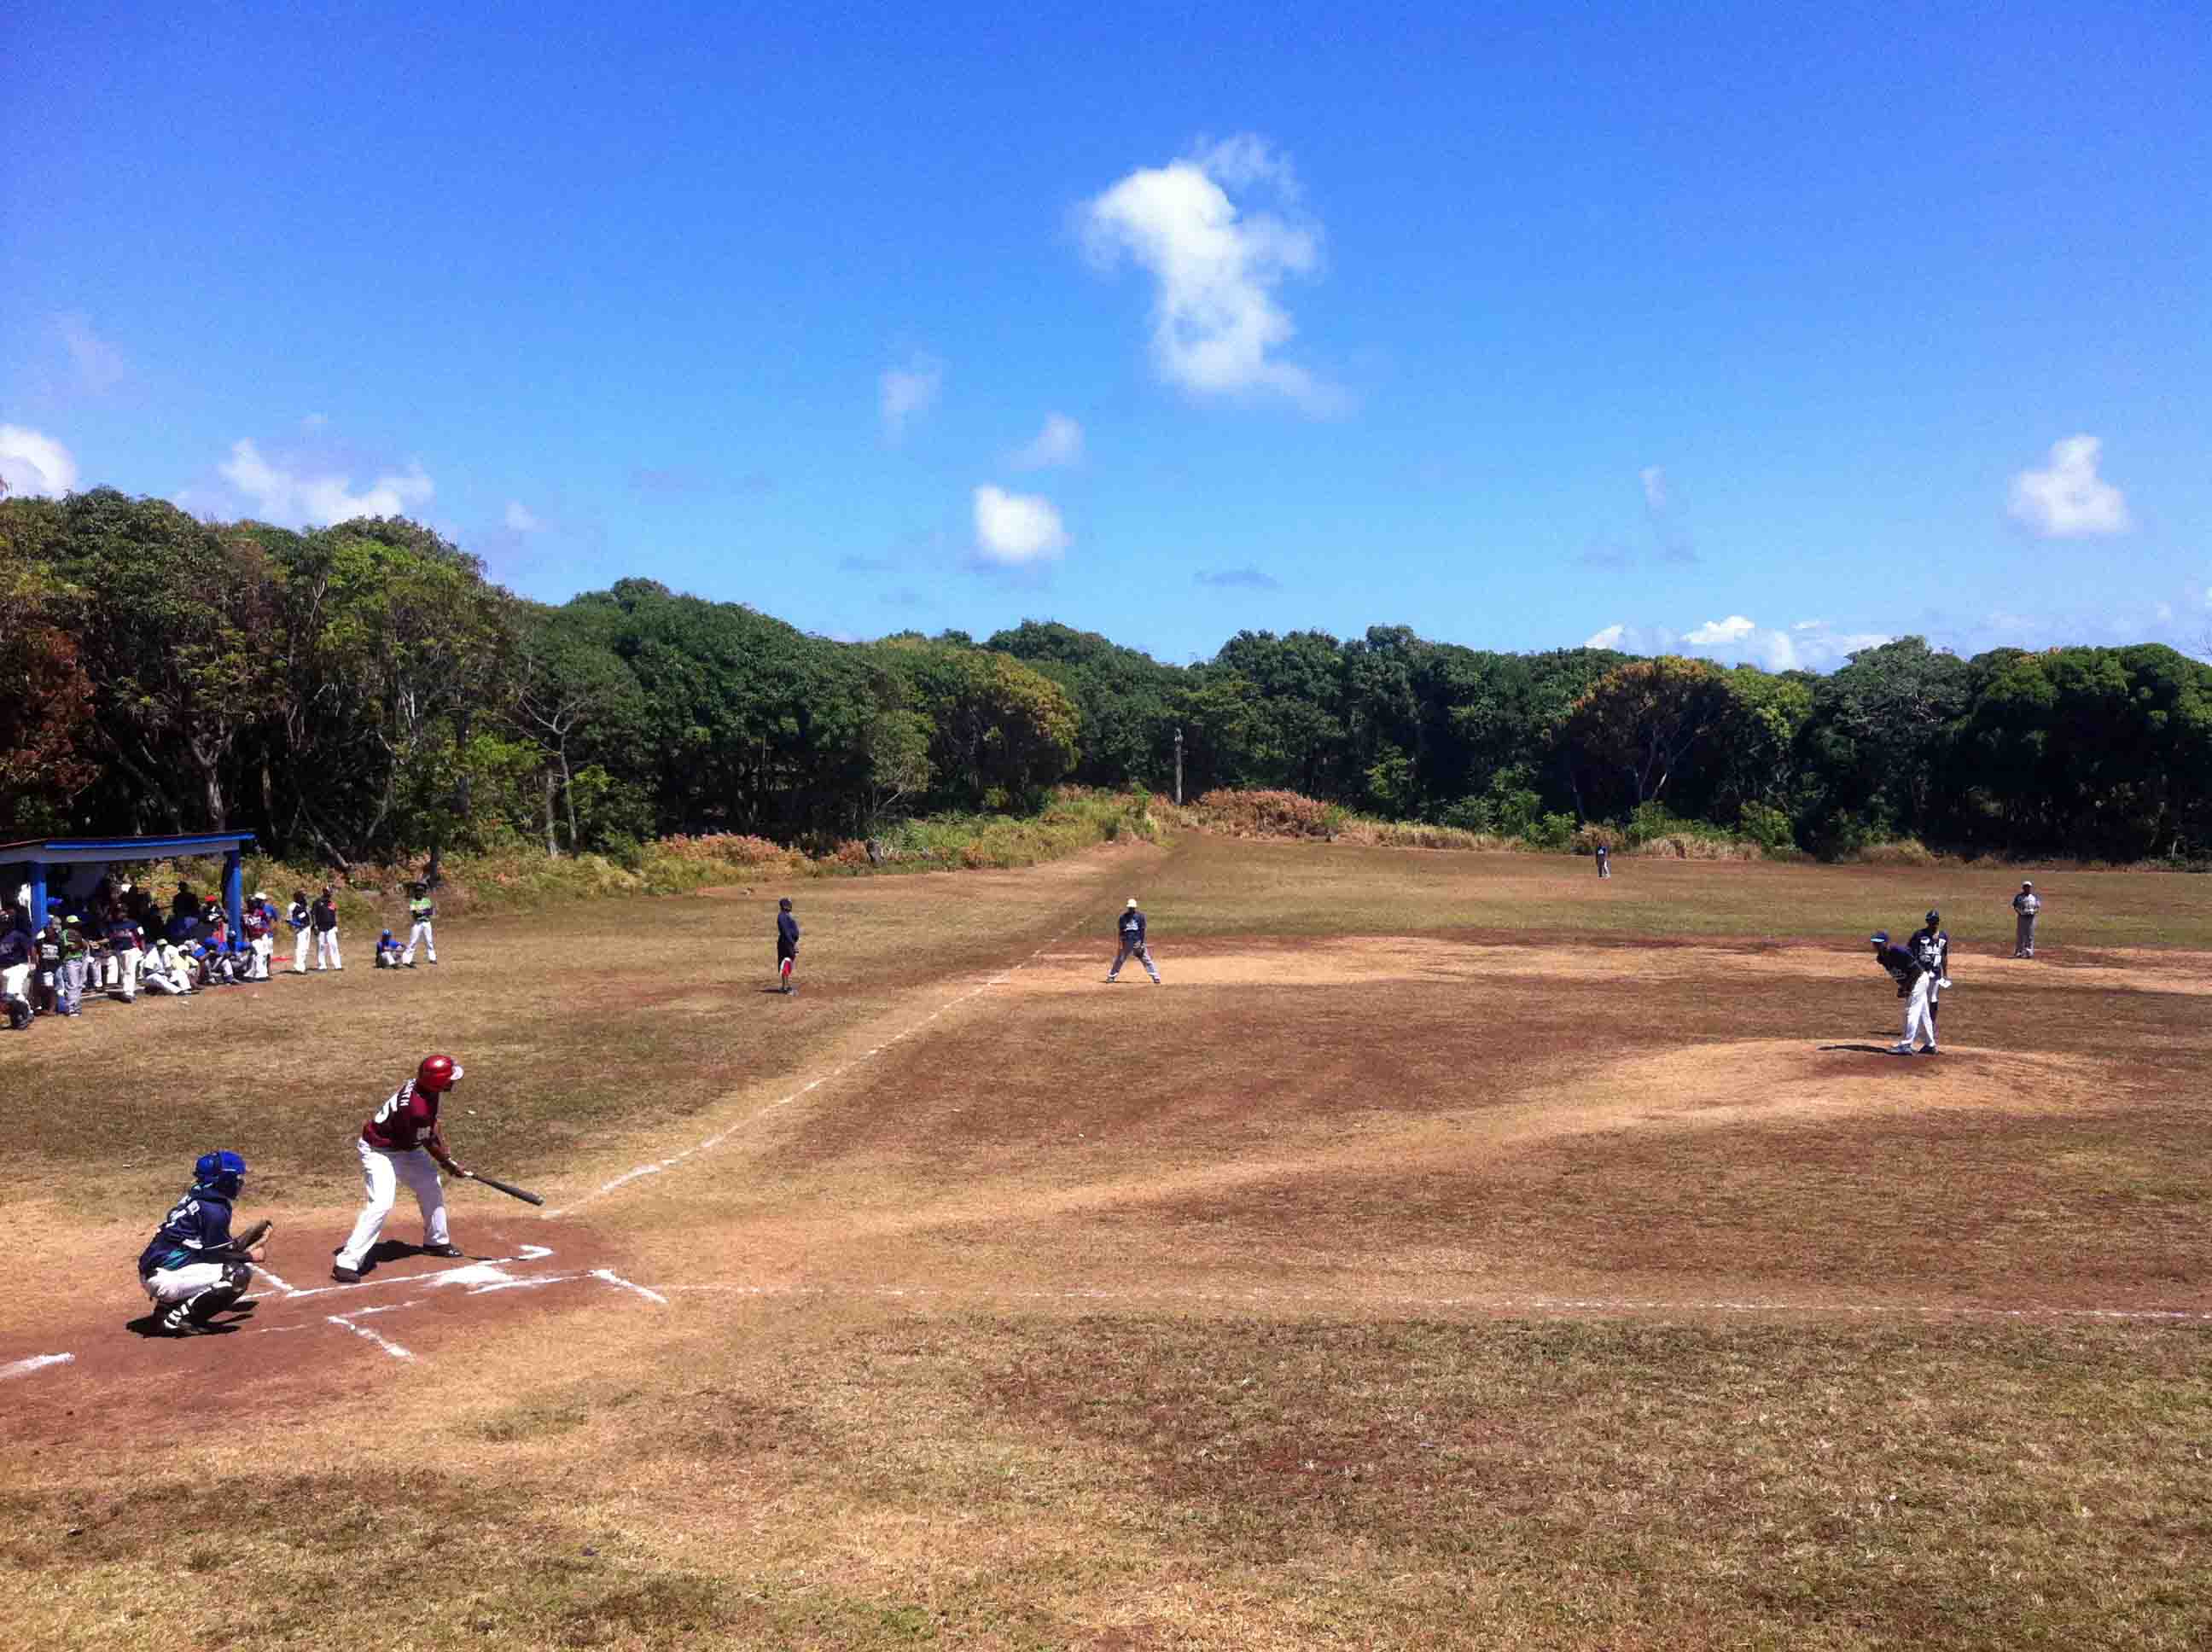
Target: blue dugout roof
<point x="75" y="851"/>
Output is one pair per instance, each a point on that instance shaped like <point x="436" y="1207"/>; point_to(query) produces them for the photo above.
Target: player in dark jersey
<point x="1931" y="944"/>
<point x="191" y="1267"/>
<point x="398" y="1144"/>
<point x="1130" y="927"/>
<point x="1913" y="981"/>
<point x="786" y="943"/>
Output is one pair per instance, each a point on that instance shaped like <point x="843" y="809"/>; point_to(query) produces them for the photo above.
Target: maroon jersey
<point x="407" y="1116"/>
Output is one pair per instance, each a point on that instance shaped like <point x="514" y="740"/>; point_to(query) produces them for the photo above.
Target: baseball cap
<point x="1880" y="938"/>
<point x="1935" y="916"/>
<point x="1133" y="900"/>
<point x="2024" y="883"/>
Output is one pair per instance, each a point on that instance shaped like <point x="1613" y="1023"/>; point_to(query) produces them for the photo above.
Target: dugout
<point x="71" y="867"/>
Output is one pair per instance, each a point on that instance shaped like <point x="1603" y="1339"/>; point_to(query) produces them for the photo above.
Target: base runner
<point x="398" y="1144"/>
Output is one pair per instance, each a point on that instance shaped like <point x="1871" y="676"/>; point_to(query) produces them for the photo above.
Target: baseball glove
<point x="244" y="1244"/>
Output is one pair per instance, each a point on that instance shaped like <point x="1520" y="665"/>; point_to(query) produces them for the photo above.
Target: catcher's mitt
<point x="253" y="1238"/>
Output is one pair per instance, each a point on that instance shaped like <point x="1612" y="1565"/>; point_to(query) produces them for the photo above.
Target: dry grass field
<point x="1456" y="1252"/>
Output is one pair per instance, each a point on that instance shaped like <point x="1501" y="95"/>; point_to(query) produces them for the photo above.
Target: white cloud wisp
<point x="520" y="517"/>
<point x="1809" y="645"/>
<point x="2070" y="499"/>
<point x="904" y="394"/>
<point x="1216" y="322"/>
<point x="1060" y="442"/>
<point x="1016" y="530"/>
<point x="286" y="496"/>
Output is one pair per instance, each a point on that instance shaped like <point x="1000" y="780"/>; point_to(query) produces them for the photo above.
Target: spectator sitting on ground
<point x="387" y="951"/>
<point x="163" y="971"/>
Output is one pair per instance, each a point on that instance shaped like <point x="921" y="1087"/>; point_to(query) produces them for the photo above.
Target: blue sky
<point x="1749" y="331"/>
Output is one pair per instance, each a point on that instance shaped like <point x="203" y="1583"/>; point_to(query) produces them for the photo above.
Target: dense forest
<point x="362" y="692"/>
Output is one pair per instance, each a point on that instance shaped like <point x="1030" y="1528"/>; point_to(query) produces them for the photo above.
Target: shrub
<point x="1768" y="827"/>
<point x="1551" y="833"/>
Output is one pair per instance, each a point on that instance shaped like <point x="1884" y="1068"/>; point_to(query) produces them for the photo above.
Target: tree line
<point x="364" y="692"/>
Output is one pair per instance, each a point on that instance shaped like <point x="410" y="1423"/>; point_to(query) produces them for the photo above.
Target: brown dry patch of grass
<point x="1214" y="886"/>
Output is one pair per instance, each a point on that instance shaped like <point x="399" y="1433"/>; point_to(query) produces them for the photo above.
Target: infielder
<point x="1912" y="984"/>
<point x="1932" y="946"/>
<point x="397" y="1144"/>
<point x="420" y="911"/>
<point x="2024" y="906"/>
<point x="192" y="1266"/>
<point x="1130" y="929"/>
<point x="786" y="943"/>
<point x="1604" y="861"/>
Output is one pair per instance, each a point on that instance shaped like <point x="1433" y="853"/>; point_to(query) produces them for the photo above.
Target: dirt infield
<point x="1491" y="1281"/>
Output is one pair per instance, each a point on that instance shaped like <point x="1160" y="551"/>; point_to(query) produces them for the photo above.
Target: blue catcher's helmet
<point x="225" y="1172"/>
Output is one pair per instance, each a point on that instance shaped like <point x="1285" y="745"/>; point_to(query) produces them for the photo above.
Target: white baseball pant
<point x="1917" y="1018"/>
<point x="13" y="980"/>
<point x="381" y="1173"/>
<point x="264" y="948"/>
<point x="420" y="936"/>
<point x="168" y="1286"/>
<point x="300" y="940"/>
<point x="126" y="972"/>
<point x="326" y="950"/>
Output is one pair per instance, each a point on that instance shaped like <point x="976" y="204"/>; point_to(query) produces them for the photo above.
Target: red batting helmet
<point x="437" y="1073"/>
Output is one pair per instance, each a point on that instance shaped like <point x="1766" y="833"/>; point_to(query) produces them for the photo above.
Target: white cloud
<point x="99" y="366"/>
<point x="1654" y="478"/>
<point x="1060" y="442"/>
<point x="903" y="393"/>
<point x="1734" y="628"/>
<point x="1809" y="645"/>
<point x="314" y="422"/>
<point x="2069" y="501"/>
<point x="286" y="496"/>
<point x="1016" y="530"/>
<point x="1215" y="318"/>
<point x="34" y="464"/>
<point x="520" y="518"/>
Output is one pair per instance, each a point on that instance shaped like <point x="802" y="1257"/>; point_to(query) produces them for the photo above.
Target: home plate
<point x="475" y="1273"/>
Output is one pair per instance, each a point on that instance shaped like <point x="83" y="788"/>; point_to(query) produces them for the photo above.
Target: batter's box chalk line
<point x="468" y="1279"/>
<point x="659" y="1167"/>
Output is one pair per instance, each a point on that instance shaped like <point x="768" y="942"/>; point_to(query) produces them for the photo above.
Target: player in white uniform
<point x="398" y="1144"/>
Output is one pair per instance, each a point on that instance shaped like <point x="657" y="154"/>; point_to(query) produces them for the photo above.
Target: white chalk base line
<point x="1259" y="1297"/>
<point x="35" y="1362"/>
<point x="659" y="1166"/>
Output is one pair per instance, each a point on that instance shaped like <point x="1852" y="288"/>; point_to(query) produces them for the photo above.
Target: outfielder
<point x="1132" y="931"/>
<point x="1604" y="861"/>
<point x="1912" y="984"/>
<point x="2025" y="905"/>
<point x="786" y="943"/>
<point x="397" y="1144"/>
<point x="420" y="911"/>
<point x="192" y="1266"/>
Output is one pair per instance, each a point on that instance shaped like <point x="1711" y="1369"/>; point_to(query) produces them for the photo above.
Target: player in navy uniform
<point x="1130" y="929"/>
<point x="786" y="943"/>
<point x="192" y="1267"/>
<point x="1932" y="946"/>
<point x="397" y="1144"/>
<point x="1913" y="981"/>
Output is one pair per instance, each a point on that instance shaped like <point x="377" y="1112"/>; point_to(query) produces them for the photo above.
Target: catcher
<point x="194" y="1266"/>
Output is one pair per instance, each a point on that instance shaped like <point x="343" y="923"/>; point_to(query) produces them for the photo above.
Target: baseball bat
<point x="507" y="1187"/>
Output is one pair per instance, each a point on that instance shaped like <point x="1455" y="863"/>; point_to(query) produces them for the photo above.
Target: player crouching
<point x="193" y="1267"/>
